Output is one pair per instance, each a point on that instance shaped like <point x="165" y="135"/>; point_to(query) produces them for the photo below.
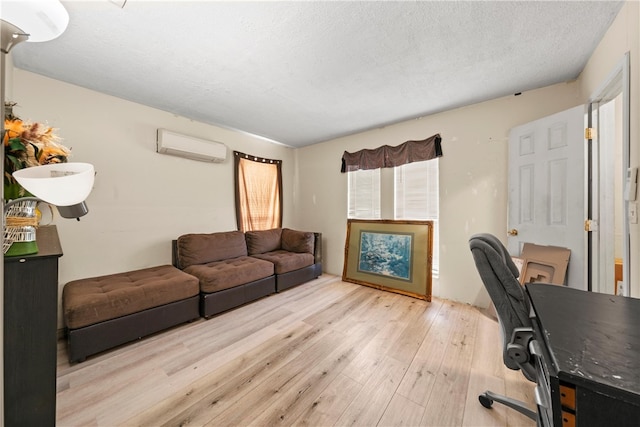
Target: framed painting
<point x="390" y="255"/>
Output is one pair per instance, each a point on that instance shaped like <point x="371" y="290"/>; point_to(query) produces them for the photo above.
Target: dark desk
<point x="589" y="367"/>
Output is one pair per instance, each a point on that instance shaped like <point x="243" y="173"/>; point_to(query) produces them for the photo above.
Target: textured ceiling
<point x="304" y="72"/>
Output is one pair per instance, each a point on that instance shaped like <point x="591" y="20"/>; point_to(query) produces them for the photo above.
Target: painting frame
<point x="390" y="255"/>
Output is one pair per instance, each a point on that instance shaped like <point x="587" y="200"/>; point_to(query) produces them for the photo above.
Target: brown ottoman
<point x="107" y="311"/>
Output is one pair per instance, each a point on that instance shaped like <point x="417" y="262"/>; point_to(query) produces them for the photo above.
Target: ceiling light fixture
<point x="119" y="3"/>
<point x="32" y="20"/>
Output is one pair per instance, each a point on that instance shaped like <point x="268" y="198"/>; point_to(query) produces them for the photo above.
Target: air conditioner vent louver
<point x="189" y="147"/>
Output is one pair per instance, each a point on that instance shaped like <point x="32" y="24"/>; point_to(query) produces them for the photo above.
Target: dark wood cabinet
<point x="30" y="323"/>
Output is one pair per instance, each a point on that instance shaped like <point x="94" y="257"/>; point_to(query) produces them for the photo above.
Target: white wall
<point x="473" y="180"/>
<point x="141" y="200"/>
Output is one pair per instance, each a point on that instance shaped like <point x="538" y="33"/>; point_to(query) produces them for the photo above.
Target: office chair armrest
<point x="518" y="349"/>
<point x="518" y="346"/>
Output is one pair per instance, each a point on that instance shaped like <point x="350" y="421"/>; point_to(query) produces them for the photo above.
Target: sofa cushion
<point x="285" y="261"/>
<point x="297" y="241"/>
<point x="204" y="248"/>
<point x="219" y="275"/>
<point x="261" y="241"/>
<point x="96" y="299"/>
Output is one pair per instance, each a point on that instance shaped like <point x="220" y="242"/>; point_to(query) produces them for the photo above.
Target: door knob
<point x="512" y="232"/>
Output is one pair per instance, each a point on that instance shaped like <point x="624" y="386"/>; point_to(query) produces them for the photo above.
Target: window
<point x="410" y="193"/>
<point x="416" y="197"/>
<point x="258" y="192"/>
<point x="364" y="194"/>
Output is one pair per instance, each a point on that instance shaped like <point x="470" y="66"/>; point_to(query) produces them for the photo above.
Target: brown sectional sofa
<point x="211" y="273"/>
<point x="235" y="267"/>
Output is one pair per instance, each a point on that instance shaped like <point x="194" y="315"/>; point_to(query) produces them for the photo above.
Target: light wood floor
<point x="324" y="353"/>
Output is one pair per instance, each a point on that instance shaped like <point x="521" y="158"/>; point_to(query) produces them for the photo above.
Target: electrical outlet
<point x="620" y="289"/>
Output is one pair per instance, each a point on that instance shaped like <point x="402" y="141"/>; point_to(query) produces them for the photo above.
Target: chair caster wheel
<point x="485" y="401"/>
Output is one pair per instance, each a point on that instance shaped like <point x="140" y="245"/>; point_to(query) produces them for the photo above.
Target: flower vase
<point x="20" y="230"/>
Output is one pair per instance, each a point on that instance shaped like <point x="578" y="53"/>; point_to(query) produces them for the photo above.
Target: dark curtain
<point x="258" y="183"/>
<point x="390" y="157"/>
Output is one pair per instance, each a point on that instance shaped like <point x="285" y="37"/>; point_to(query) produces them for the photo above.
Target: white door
<point x="547" y="188"/>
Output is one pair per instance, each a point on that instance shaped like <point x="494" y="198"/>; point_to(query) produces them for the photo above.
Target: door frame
<point x="617" y="82"/>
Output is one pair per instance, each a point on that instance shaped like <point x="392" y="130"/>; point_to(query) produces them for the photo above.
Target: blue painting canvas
<point x="386" y="254"/>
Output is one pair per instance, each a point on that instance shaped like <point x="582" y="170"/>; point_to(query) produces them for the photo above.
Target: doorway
<point x="608" y="164"/>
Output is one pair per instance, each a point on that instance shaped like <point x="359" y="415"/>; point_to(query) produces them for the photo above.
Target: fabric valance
<point x="389" y="157"/>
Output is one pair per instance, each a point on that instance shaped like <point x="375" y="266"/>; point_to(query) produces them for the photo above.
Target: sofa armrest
<point x="317" y="248"/>
<point x="174" y="254"/>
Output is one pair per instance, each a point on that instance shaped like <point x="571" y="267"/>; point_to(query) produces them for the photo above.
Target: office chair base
<point x="487" y="398"/>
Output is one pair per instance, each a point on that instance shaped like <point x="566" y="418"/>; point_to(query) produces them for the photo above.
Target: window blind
<point x="364" y="194"/>
<point x="416" y="197"/>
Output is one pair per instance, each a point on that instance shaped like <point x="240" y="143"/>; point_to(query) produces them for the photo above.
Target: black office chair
<point x="500" y="277"/>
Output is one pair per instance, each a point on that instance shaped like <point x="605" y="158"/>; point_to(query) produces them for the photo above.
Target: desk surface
<point x="48" y="244"/>
<point x="593" y="339"/>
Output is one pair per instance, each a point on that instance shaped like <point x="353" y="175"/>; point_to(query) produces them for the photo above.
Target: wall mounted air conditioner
<point x="179" y="145"/>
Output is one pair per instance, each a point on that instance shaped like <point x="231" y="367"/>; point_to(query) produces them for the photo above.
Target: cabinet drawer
<point x="568" y="397"/>
<point x="568" y="419"/>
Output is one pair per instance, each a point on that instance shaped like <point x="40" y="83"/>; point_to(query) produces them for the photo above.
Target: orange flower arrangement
<point x="25" y="145"/>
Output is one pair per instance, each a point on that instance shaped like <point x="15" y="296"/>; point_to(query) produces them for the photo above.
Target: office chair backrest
<point x="500" y="277"/>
